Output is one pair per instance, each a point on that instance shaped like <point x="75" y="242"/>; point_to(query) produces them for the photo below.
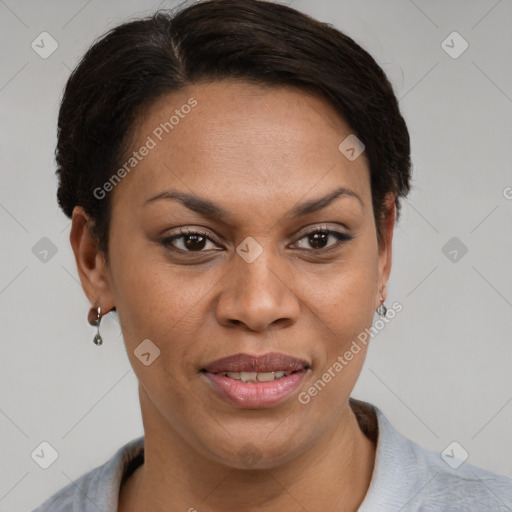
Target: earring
<point x="94" y="318"/>
<point x="382" y="309"/>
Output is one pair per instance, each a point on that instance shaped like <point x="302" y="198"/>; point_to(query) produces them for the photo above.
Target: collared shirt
<point x="406" y="477"/>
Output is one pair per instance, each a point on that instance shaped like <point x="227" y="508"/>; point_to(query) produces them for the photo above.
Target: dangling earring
<point x="382" y="309"/>
<point x="94" y="318"/>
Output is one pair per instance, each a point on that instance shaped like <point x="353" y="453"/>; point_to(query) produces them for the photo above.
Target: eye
<point x="189" y="240"/>
<point x="318" y="239"/>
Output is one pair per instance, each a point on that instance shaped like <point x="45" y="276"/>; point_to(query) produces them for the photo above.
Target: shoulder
<point x="442" y="482"/>
<point x="409" y="478"/>
<point x="99" y="488"/>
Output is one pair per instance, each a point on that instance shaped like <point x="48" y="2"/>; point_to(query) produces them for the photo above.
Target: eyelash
<point x="339" y="236"/>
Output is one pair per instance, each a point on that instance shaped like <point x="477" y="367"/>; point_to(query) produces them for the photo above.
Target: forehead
<point x="237" y="140"/>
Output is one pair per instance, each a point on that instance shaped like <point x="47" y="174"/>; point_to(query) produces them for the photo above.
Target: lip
<point x="270" y="362"/>
<point x="256" y="395"/>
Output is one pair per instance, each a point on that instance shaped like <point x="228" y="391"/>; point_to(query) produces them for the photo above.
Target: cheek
<point x="162" y="302"/>
<point x="342" y="314"/>
<point x="343" y="295"/>
<point x="143" y="291"/>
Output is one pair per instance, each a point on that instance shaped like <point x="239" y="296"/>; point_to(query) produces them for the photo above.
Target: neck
<point x="334" y="474"/>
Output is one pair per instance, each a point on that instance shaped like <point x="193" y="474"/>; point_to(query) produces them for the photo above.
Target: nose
<point x="258" y="295"/>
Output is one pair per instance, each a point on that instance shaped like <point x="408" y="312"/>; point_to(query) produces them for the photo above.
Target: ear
<point x="90" y="261"/>
<point x="385" y="247"/>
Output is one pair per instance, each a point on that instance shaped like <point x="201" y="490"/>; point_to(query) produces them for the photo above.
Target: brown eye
<point x="189" y="241"/>
<point x="319" y="238"/>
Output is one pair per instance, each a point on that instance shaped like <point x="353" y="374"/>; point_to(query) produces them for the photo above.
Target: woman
<point x="233" y="173"/>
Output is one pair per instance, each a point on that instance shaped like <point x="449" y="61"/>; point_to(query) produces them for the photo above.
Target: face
<point x="247" y="263"/>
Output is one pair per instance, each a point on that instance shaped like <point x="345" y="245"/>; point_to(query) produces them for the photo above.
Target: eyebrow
<point x="209" y="209"/>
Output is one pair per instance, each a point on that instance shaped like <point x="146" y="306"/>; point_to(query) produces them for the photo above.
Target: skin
<point x="257" y="152"/>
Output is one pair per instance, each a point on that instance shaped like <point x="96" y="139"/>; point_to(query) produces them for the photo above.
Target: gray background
<point x="440" y="370"/>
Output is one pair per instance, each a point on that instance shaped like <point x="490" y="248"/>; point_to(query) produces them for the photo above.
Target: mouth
<point x="256" y="376"/>
<point x="256" y="382"/>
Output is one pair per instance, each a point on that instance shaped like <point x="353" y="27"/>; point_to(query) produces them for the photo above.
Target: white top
<point x="406" y="478"/>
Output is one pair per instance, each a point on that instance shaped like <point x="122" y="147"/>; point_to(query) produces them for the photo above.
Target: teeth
<point x="256" y="376"/>
<point x="248" y="376"/>
<point x="266" y="376"/>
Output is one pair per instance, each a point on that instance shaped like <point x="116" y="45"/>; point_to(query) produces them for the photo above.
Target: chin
<point x="259" y="451"/>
